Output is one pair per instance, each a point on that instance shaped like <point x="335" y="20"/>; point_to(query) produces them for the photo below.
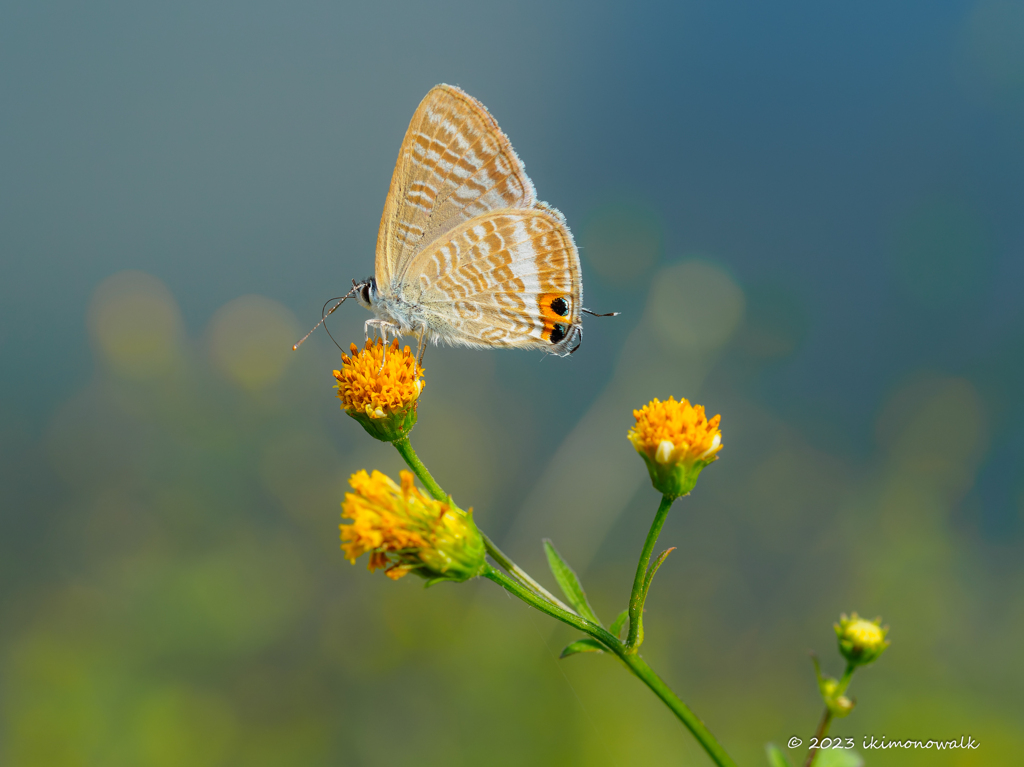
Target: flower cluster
<point x="676" y="441"/>
<point x="378" y="386"/>
<point x="405" y="531"/>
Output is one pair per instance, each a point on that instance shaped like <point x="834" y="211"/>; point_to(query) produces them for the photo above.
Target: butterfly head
<point x="366" y="292"/>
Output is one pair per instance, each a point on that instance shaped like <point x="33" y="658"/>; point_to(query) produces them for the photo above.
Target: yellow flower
<point x="676" y="441"/>
<point x="861" y="641"/>
<point x="380" y="391"/>
<point x="405" y="531"/>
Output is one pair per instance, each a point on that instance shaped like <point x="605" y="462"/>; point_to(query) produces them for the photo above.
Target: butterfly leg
<point x="384" y="327"/>
<point x="421" y="346"/>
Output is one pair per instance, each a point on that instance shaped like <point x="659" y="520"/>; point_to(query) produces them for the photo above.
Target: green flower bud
<point x="861" y="641"/>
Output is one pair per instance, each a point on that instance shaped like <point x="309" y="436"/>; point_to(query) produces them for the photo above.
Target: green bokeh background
<point x="810" y="219"/>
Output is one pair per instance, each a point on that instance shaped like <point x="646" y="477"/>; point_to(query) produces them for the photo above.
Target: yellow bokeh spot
<point x="251" y="341"/>
<point x="136" y="325"/>
<point x="695" y="306"/>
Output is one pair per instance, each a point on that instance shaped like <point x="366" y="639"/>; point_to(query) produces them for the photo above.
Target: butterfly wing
<point x="504" y="278"/>
<point x="454" y="164"/>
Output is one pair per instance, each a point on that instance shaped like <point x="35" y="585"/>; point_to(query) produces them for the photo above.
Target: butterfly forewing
<point x="454" y="164"/>
<point x="507" y="278"/>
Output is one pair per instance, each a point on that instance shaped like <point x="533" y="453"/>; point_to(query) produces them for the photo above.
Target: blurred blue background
<point x="811" y="219"/>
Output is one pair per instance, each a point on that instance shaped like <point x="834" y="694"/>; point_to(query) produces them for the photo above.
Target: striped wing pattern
<point x="454" y="164"/>
<point x="508" y="278"/>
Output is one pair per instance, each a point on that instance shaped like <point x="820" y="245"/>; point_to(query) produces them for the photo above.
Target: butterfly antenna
<point x="323" y="319"/>
<point x="595" y="314"/>
<point x="325" y="314"/>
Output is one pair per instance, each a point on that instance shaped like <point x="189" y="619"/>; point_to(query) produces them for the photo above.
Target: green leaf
<point x="649" y="576"/>
<point x="582" y="645"/>
<point x="619" y="623"/>
<point x="775" y="756"/>
<point x="837" y="757"/>
<point x="569" y="582"/>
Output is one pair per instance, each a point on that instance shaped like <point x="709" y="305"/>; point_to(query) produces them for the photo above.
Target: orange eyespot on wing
<point x="554" y="310"/>
<point x="554" y="332"/>
<point x="554" y="306"/>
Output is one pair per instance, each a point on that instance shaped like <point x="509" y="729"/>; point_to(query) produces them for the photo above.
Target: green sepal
<point x="619" y="623"/>
<point x="775" y="756"/>
<point x="570" y="584"/>
<point x="391" y="427"/>
<point x="673" y="480"/>
<point x="582" y="645"/>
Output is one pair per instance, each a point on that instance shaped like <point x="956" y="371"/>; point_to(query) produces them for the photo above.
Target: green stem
<point x="562" y="614"/>
<point x="637" y="597"/>
<point x="405" y="449"/>
<point x="633" y="661"/>
<point x="693" y="723"/>
<point x="826" y="718"/>
<point x="502" y="559"/>
<point x="845" y="681"/>
<point x="531" y="592"/>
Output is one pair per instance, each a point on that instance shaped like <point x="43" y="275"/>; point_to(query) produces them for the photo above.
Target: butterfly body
<point x="466" y="254"/>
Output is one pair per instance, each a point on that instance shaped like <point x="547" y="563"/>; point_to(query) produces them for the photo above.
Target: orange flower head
<point x="380" y="390"/>
<point x="403" y="530"/>
<point x="676" y="441"/>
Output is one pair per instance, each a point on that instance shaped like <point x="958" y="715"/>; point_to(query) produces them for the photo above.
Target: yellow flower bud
<point x="380" y="391"/>
<point x="861" y="641"/>
<point x="403" y="530"/>
<point x="676" y="441"/>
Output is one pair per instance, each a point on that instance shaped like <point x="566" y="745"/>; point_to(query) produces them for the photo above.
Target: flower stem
<point x="638" y="596"/>
<point x="562" y="614"/>
<point x="531" y="592"/>
<point x="502" y="559"/>
<point x="826" y="718"/>
<point x="633" y="661"/>
<point x="693" y="723"/>
<point x="405" y="449"/>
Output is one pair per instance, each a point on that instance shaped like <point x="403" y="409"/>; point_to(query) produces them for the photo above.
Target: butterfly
<point x="466" y="253"/>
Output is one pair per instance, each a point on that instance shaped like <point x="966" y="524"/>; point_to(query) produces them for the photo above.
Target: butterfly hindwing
<point x="506" y="278"/>
<point x="454" y="164"/>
